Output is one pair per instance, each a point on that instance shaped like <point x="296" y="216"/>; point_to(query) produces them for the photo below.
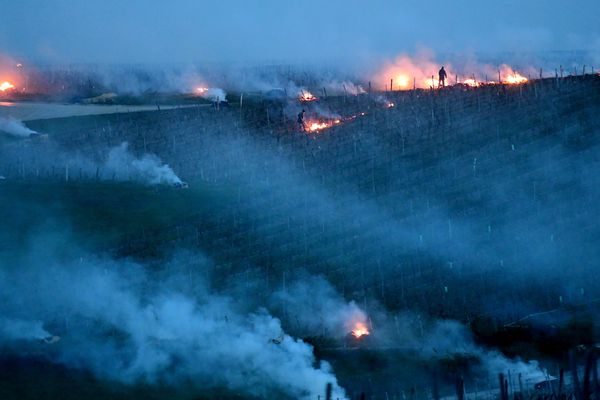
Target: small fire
<point x="4" y="86"/>
<point x="471" y="82"/>
<point x="307" y="96"/>
<point x="317" y="126"/>
<point x="360" y="330"/>
<point x="201" y="90"/>
<point x="390" y="105"/>
<point x="403" y="81"/>
<point x="515" y="79"/>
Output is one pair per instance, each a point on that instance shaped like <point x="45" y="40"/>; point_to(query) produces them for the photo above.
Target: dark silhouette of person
<point x="442" y="77"/>
<point x="301" y="120"/>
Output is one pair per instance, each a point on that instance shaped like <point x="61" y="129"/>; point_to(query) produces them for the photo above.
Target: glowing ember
<point x="515" y="78"/>
<point x="307" y="96"/>
<point x="4" y="86"/>
<point x="201" y="90"/>
<point x="360" y="330"/>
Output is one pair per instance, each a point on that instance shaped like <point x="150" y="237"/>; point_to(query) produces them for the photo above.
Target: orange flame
<point x="471" y="82"/>
<point x="201" y="89"/>
<point x="307" y="96"/>
<point x="360" y="330"/>
<point x="403" y="81"/>
<point x="422" y="72"/>
<point x="515" y="79"/>
<point x="317" y="126"/>
<point x="409" y="72"/>
<point x="4" y="86"/>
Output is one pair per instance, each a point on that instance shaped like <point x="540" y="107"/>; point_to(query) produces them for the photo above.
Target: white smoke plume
<point x="124" y="325"/>
<point x="15" y="329"/>
<point x="312" y="307"/>
<point x="15" y="127"/>
<point x="136" y="79"/>
<point x="345" y="87"/>
<point x="442" y="338"/>
<point x="214" y="94"/>
<point x="148" y="169"/>
<point x="316" y="308"/>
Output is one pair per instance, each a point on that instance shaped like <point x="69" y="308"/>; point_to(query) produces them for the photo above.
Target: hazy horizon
<point x="185" y="31"/>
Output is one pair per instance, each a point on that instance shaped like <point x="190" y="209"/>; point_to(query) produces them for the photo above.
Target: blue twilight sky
<point x="129" y="31"/>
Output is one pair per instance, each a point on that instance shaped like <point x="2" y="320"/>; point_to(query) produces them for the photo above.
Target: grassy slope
<point x="103" y="215"/>
<point x="106" y="215"/>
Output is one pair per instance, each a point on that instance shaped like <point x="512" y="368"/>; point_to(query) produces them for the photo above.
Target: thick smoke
<point x="15" y="127"/>
<point x="117" y="163"/>
<point x="341" y="88"/>
<point x="14" y="329"/>
<point x="125" y="325"/>
<point x="139" y="79"/>
<point x="214" y="94"/>
<point x="123" y="165"/>
<point x="431" y="340"/>
<point x="312" y="307"/>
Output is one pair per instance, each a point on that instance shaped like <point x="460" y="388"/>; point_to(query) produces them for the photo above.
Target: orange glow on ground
<point x="307" y="96"/>
<point x="360" y="330"/>
<point x="4" y="86"/>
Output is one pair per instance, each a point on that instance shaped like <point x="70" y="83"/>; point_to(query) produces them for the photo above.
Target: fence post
<point x="460" y="388"/>
<point x="575" y="376"/>
<point x="561" y="379"/>
<point x="589" y="363"/>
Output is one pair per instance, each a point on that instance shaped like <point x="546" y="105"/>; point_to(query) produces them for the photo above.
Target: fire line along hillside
<point x="453" y="185"/>
<point x="442" y="201"/>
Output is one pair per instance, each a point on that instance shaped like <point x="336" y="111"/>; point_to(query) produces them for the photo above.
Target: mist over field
<point x="263" y="200"/>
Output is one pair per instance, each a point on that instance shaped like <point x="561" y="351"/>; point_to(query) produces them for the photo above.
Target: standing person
<point x="442" y="77"/>
<point x="301" y="121"/>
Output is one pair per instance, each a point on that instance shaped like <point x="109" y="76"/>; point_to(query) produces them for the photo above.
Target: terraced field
<point x="476" y="205"/>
